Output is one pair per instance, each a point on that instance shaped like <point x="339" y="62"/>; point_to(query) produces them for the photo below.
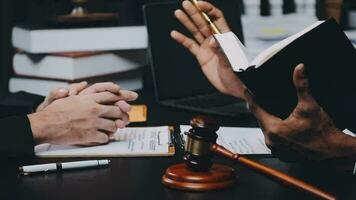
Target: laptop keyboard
<point x="216" y="103"/>
<point x="208" y="101"/>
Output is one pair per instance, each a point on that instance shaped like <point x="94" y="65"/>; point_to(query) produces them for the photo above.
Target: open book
<point x="330" y="65"/>
<point x="237" y="54"/>
<point x="127" y="142"/>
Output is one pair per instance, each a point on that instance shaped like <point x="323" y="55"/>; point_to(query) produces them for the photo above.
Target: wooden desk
<point x="139" y="178"/>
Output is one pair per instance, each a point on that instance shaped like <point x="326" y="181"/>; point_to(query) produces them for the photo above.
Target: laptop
<point x="177" y="77"/>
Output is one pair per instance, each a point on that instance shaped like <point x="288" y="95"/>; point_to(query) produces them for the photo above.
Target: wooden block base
<point x="181" y="178"/>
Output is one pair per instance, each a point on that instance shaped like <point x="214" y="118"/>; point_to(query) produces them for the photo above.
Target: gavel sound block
<point x="198" y="173"/>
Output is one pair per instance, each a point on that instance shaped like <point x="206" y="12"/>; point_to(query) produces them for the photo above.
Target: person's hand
<point x="125" y="96"/>
<point x="82" y="89"/>
<point x="308" y="131"/>
<point x="204" y="47"/>
<point x="78" y="120"/>
<point x="59" y="93"/>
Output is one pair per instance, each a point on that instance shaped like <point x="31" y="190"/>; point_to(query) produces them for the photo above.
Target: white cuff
<point x="354" y="172"/>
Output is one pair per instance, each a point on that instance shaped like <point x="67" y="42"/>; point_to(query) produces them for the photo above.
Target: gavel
<point x="200" y="147"/>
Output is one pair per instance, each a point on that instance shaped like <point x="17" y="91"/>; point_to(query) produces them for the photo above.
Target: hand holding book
<point x="308" y="133"/>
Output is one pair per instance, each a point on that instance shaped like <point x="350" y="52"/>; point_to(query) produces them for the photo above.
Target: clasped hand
<point x="81" y="115"/>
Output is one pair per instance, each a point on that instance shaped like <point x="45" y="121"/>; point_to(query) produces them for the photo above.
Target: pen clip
<point x="179" y="140"/>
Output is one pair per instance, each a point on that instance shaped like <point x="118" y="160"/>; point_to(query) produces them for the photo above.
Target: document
<point x="127" y="142"/>
<point x="239" y="140"/>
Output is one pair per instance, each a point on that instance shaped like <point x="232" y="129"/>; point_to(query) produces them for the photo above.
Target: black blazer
<point x="16" y="138"/>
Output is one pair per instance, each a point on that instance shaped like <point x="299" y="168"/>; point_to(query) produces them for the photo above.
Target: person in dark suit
<point x="308" y="131"/>
<point x="77" y="115"/>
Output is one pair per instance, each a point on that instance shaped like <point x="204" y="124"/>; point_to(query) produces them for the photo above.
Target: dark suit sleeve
<point x="19" y="104"/>
<point x="16" y="138"/>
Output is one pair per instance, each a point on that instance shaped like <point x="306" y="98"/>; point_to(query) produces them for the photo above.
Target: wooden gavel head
<point x="199" y="140"/>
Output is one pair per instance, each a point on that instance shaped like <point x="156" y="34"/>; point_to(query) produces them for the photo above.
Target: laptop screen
<point x="176" y="72"/>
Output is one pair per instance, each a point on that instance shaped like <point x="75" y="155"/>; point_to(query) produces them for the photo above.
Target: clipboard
<point x="118" y="148"/>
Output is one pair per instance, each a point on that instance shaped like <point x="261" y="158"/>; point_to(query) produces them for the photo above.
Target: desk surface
<point x="139" y="178"/>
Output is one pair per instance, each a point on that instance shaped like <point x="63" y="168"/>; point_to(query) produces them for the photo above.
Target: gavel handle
<point x="284" y="178"/>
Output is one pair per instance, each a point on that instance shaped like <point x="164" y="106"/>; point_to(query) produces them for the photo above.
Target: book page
<point x="237" y="55"/>
<point x="143" y="141"/>
<point x="234" y="50"/>
<point x="239" y="140"/>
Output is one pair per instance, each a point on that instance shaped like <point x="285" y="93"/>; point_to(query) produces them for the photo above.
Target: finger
<point x="197" y="18"/>
<point x="54" y="95"/>
<point x="124" y="106"/>
<point x="213" y="44"/>
<point x="121" y="123"/>
<point x="127" y="95"/>
<point x="111" y="134"/>
<point x="75" y="88"/>
<point x="125" y="118"/>
<point x="109" y="126"/>
<point x="99" y="138"/>
<point x="187" y="42"/>
<point x="216" y="15"/>
<point x="187" y="22"/>
<point x="262" y="116"/>
<point x="102" y="87"/>
<point x="105" y="97"/>
<point x="301" y="83"/>
<point x="58" y="93"/>
<point x="112" y="112"/>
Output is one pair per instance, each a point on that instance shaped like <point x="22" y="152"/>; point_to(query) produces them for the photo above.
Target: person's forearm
<point x="20" y="103"/>
<point x="346" y="144"/>
<point x="16" y="137"/>
<point x="351" y="143"/>
<point x="39" y="124"/>
<point x="353" y="147"/>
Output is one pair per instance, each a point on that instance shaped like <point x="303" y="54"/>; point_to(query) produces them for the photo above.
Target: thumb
<point x="301" y="83"/>
<point x="54" y="95"/>
<point x="57" y="94"/>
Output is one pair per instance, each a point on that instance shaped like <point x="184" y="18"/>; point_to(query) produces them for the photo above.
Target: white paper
<point x="237" y="54"/>
<point x="234" y="50"/>
<point x="348" y="132"/>
<point x="128" y="142"/>
<point x="240" y="140"/>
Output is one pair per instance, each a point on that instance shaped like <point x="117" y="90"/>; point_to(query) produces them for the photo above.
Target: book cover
<point x="131" y="80"/>
<point x="43" y="40"/>
<point x="77" y="65"/>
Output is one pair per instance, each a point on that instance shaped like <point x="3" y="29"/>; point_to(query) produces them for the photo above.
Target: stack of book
<point x="48" y="58"/>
